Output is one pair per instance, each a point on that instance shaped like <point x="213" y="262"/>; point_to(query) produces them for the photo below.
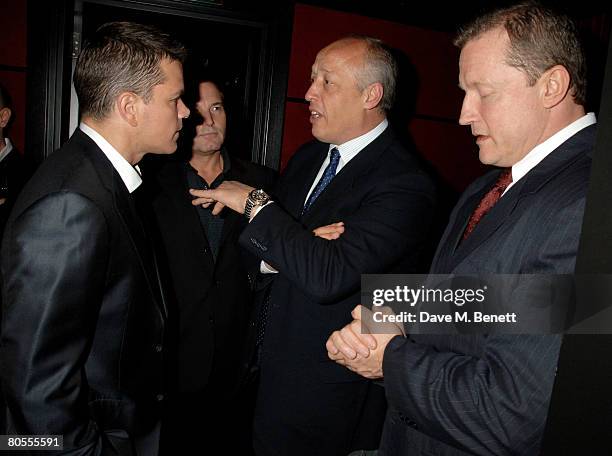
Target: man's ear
<point x="127" y="105"/>
<point x="373" y="95"/>
<point x="555" y="84"/>
<point x="5" y="116"/>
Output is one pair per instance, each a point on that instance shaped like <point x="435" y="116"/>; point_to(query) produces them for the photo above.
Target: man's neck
<point x="208" y="166"/>
<point x="112" y="132"/>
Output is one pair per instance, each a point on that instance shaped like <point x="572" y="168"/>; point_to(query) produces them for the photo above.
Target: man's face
<point x="5" y="116"/>
<point x="503" y="112"/>
<point x="210" y="134"/>
<point x="336" y="104"/>
<point x="162" y="116"/>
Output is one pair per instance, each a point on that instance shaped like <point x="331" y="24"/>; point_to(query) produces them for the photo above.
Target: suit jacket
<point x="477" y="394"/>
<point x="14" y="170"/>
<point x="386" y="203"/>
<point x="83" y="330"/>
<point x="213" y="298"/>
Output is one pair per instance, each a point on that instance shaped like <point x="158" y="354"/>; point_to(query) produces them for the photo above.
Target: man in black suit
<point x="12" y="167"/>
<point x="523" y="73"/>
<point x="356" y="174"/>
<point x="83" y="332"/>
<point x="12" y="177"/>
<point x="211" y="277"/>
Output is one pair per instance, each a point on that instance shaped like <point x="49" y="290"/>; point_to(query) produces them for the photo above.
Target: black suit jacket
<point x="83" y="329"/>
<point x="455" y="395"/>
<point x="14" y="170"/>
<point x="213" y="298"/>
<point x="386" y="203"/>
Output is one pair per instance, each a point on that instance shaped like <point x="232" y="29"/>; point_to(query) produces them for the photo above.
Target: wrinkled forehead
<point x="209" y="92"/>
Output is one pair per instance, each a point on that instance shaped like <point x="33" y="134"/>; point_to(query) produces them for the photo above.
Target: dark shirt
<point x="211" y="224"/>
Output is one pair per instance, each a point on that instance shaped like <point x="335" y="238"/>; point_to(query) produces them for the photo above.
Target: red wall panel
<point x="449" y="147"/>
<point x="13" y="26"/>
<point x="431" y="52"/>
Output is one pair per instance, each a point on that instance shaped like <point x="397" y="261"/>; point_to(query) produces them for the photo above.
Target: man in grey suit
<point x="523" y="74"/>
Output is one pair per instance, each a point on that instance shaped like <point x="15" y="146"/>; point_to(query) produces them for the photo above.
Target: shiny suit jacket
<point x="83" y="328"/>
<point x="386" y="203"/>
<point x="478" y="394"/>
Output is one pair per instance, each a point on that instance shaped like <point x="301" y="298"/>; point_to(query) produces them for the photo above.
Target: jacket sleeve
<point x="496" y="402"/>
<point x="391" y="220"/>
<point x="54" y="263"/>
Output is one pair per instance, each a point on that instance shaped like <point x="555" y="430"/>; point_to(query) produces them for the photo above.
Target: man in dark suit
<point x="12" y="167"/>
<point x="523" y="73"/>
<point x="83" y="332"/>
<point x="211" y="277"/>
<point x="356" y="173"/>
<point x="12" y="177"/>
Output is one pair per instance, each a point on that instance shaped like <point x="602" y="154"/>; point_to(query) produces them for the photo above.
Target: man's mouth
<point x="315" y="114"/>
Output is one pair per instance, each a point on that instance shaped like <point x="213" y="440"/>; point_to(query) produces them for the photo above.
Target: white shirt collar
<point x="6" y="149"/>
<point x="130" y="175"/>
<point x="541" y="151"/>
<point x="348" y="151"/>
<point x="351" y="148"/>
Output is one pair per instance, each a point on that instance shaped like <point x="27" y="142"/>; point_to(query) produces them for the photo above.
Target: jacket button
<point x="158" y="348"/>
<point x="159" y="397"/>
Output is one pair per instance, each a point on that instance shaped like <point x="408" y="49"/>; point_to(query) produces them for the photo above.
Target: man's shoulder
<point x="251" y="173"/>
<point x="70" y="169"/>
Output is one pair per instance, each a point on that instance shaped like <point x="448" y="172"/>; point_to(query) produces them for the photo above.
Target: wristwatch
<point x="256" y="198"/>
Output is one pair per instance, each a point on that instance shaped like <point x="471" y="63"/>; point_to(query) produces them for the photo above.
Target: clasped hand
<point x="360" y="345"/>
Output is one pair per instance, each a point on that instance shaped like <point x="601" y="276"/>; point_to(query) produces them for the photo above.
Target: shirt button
<point x="158" y="348"/>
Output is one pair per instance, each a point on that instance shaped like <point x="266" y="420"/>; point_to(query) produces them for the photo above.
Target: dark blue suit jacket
<point x="386" y="203"/>
<point x="477" y="394"/>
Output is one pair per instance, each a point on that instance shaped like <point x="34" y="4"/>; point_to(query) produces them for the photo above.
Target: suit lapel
<point x="294" y="203"/>
<point x="176" y="192"/>
<point x="342" y="183"/>
<point x="112" y="181"/>
<point x="537" y="177"/>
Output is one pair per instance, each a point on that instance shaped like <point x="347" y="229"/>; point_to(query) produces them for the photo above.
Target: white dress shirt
<point x="130" y="175"/>
<point x="6" y="149"/>
<point x="348" y="151"/>
<point x="541" y="151"/>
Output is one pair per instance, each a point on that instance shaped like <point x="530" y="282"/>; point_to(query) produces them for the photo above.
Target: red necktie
<point x="488" y="201"/>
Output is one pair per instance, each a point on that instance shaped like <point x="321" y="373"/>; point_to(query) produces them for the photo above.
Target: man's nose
<point x="183" y="110"/>
<point x="311" y="93"/>
<point x="469" y="110"/>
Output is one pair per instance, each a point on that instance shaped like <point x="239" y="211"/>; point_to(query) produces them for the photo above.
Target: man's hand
<point x="230" y="193"/>
<point x="330" y="232"/>
<point x="360" y="349"/>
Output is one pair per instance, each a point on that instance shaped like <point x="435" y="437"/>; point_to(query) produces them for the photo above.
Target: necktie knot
<point x="488" y="201"/>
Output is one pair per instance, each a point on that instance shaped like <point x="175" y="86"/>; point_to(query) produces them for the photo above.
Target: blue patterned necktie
<point x="326" y="178"/>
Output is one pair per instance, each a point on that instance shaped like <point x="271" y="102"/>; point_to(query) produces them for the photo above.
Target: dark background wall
<point x="13" y="63"/>
<point x="429" y="102"/>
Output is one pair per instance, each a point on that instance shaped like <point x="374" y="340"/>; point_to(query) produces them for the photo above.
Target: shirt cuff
<point x="256" y="210"/>
<point x="265" y="268"/>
